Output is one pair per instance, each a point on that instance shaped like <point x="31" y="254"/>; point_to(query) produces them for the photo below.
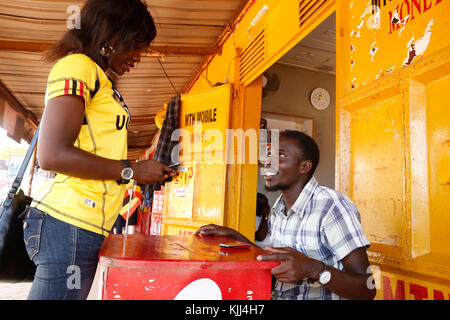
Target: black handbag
<point x="15" y="264"/>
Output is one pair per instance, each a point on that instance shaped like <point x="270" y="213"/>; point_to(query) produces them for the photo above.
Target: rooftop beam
<point x="40" y="46"/>
<point x="23" y="113"/>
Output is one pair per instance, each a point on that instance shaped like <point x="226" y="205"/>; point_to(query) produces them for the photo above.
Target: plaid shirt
<point x="324" y="225"/>
<point x="165" y="145"/>
<point x="170" y="124"/>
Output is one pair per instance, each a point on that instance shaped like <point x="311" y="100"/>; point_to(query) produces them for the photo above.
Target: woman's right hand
<point x="151" y="171"/>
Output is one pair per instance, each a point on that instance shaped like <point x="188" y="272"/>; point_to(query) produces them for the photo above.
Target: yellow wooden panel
<point x="393" y="129"/>
<point x="249" y="180"/>
<point x="438" y="129"/>
<point x="430" y="161"/>
<point x="285" y="17"/>
<point x="419" y="182"/>
<point x="377" y="173"/>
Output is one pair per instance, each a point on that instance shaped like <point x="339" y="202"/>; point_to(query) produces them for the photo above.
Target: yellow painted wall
<point x="392" y="137"/>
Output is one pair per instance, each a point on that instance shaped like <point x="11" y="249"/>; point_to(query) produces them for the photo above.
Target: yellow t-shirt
<point x="88" y="204"/>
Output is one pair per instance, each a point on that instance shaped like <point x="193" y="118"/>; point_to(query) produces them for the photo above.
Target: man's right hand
<point x="215" y="230"/>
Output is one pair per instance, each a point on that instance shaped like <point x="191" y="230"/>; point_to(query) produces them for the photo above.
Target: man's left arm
<point x="352" y="282"/>
<point x="345" y="238"/>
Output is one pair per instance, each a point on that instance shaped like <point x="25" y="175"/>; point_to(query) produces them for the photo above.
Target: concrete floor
<point x="19" y="291"/>
<point x="14" y="291"/>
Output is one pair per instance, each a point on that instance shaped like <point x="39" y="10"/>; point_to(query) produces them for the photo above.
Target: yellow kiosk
<point x="392" y="129"/>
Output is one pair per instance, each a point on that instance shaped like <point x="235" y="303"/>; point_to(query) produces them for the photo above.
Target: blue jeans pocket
<point x="32" y="228"/>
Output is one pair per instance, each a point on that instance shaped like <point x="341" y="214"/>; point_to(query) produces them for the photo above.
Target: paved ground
<point x="19" y="291"/>
<point x="14" y="291"/>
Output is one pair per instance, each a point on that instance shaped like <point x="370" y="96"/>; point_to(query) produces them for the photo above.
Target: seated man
<point x="314" y="231"/>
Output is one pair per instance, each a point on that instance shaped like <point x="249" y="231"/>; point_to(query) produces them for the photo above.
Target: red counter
<point x="181" y="267"/>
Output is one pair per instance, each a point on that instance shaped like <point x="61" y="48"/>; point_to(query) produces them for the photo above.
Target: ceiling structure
<point x="317" y="51"/>
<point x="188" y="31"/>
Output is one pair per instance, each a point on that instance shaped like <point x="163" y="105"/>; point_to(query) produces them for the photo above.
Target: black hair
<point x="307" y="145"/>
<point x="101" y="20"/>
<point x="261" y="202"/>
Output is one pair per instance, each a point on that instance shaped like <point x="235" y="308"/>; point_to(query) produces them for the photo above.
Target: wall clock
<point x="320" y="98"/>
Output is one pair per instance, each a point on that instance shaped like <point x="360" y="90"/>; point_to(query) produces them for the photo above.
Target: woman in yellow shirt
<point x="83" y="138"/>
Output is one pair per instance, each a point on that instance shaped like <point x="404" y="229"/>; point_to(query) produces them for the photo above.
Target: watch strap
<point x="317" y="277"/>
<point x="126" y="164"/>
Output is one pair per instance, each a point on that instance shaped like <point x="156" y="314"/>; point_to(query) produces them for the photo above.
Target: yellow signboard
<point x="203" y="125"/>
<point x="395" y="286"/>
<point x="196" y="196"/>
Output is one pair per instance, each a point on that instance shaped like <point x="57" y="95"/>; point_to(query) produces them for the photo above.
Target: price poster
<point x="180" y="193"/>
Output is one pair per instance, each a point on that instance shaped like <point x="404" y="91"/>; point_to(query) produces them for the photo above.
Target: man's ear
<point x="305" y="166"/>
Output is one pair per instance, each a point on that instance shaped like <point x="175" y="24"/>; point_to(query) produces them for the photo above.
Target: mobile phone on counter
<point x="234" y="245"/>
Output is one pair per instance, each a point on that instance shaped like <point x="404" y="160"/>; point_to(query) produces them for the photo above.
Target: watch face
<point x="127" y="173"/>
<point x="325" y="277"/>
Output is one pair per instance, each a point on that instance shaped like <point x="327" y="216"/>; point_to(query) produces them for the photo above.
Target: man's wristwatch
<point x="126" y="173"/>
<point x="324" y="275"/>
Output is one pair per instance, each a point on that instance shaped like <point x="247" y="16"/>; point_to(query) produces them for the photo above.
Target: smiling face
<point x="124" y="60"/>
<point x="292" y="169"/>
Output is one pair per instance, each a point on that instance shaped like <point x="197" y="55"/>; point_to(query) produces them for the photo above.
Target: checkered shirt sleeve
<point x="342" y="228"/>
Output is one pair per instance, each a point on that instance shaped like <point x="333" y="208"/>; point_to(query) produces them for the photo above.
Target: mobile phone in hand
<point x="173" y="166"/>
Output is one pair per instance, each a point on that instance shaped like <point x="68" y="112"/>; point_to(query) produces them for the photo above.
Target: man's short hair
<point x="307" y="145"/>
